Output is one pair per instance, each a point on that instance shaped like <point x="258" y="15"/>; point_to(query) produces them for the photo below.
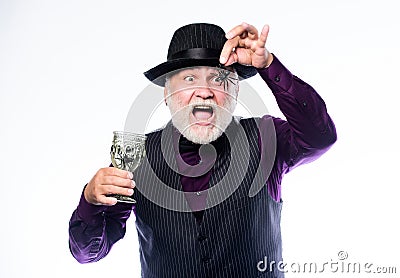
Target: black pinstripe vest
<point x="233" y="237"/>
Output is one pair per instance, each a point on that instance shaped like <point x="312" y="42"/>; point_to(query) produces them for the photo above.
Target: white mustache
<point x="206" y="103"/>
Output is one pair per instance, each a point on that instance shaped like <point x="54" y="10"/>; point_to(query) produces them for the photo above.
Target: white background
<point x="69" y="71"/>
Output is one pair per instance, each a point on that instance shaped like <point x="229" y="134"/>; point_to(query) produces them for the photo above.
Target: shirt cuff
<point x="89" y="213"/>
<point x="277" y="76"/>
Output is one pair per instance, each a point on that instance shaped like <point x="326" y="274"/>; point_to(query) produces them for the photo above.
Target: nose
<point x="204" y="93"/>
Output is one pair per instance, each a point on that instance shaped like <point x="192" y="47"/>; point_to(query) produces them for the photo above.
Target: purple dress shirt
<point x="307" y="117"/>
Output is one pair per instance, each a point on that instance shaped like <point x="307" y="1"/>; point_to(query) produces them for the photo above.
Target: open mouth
<point x="202" y="112"/>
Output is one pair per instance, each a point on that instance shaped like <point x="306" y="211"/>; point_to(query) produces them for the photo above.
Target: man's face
<point x="201" y="101"/>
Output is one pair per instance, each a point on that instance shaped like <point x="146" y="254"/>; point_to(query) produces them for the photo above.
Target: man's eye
<point x="217" y="79"/>
<point x="189" y="78"/>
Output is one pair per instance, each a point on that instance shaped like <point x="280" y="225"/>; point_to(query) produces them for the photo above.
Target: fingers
<point x="107" y="201"/>
<point x="112" y="189"/>
<point x="108" y="181"/>
<point x="234" y="32"/>
<point x="241" y="29"/>
<point x="243" y="41"/>
<point x="263" y="36"/>
<point x="252" y="31"/>
<point x="250" y="38"/>
<point x="117" y="181"/>
<point x="227" y="50"/>
<point x="112" y="171"/>
<point x="235" y="36"/>
<point x="231" y="59"/>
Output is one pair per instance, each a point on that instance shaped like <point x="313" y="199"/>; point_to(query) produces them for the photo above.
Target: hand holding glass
<point x="127" y="152"/>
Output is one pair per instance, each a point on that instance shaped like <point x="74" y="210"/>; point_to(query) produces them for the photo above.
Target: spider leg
<point x="230" y="80"/>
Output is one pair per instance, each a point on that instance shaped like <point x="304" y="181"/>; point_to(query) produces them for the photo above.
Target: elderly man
<point x="218" y="229"/>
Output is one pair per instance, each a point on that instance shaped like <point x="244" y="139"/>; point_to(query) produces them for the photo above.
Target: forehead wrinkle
<point x="198" y="68"/>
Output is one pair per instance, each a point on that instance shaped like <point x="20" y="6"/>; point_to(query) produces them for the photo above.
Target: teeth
<point x="202" y="107"/>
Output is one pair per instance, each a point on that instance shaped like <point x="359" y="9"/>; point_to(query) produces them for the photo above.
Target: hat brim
<point x="157" y="74"/>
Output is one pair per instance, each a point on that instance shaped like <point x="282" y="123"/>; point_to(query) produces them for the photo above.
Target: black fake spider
<point x="223" y="77"/>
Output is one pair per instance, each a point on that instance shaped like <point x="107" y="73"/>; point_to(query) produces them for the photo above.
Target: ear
<point x="237" y="90"/>
<point x="165" y="95"/>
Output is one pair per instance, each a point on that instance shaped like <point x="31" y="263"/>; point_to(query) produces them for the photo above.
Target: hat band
<point x="196" y="53"/>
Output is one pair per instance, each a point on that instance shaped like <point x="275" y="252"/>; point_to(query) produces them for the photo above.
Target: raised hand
<point x="246" y="46"/>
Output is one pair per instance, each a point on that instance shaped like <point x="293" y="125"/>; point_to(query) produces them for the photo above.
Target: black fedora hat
<point x="197" y="44"/>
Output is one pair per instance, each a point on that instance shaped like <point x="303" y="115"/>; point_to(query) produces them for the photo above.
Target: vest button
<point x="206" y="260"/>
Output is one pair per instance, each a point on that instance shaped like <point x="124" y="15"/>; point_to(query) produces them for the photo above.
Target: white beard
<point x="197" y="133"/>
